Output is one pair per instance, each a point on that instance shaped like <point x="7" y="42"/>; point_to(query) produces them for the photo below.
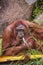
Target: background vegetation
<point x="38" y="8"/>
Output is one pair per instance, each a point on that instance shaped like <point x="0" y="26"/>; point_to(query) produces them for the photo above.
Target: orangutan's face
<point x="20" y="31"/>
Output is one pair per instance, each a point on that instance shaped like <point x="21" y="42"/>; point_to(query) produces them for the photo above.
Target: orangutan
<point x="18" y="36"/>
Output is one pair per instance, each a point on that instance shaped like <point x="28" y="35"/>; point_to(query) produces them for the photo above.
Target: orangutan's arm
<point x="6" y="39"/>
<point x="15" y="50"/>
<point x="37" y="30"/>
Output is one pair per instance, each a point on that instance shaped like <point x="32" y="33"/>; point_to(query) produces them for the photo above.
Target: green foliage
<point x="33" y="51"/>
<point x="36" y="62"/>
<point x="38" y="9"/>
<point x="0" y="47"/>
<point x="40" y="2"/>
